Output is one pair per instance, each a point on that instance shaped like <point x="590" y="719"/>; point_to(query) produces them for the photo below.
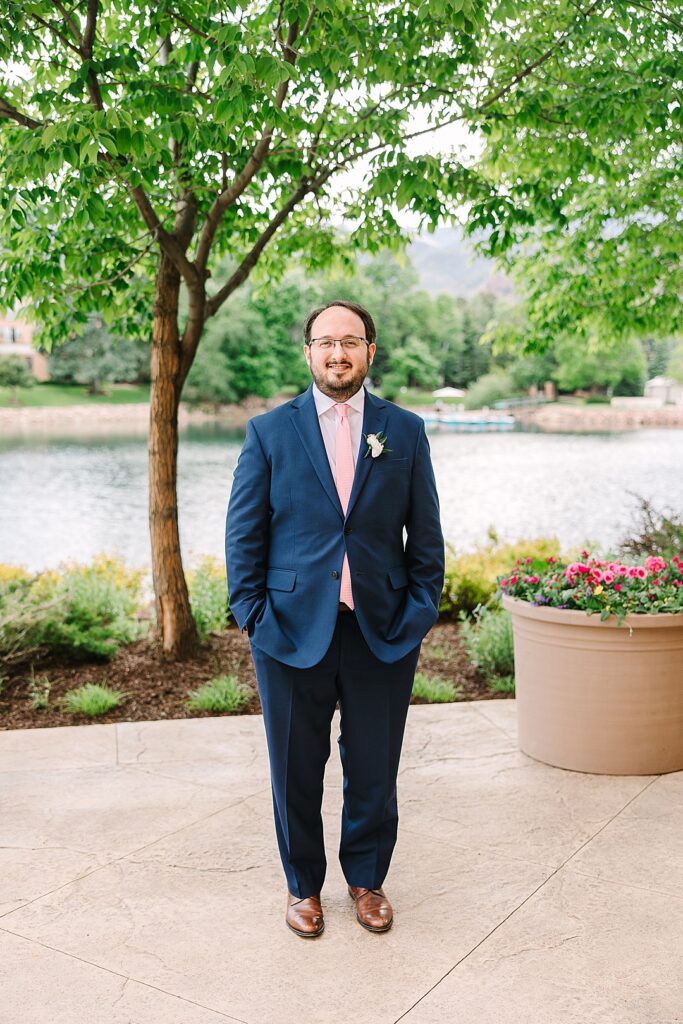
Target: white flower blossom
<point x="376" y="446"/>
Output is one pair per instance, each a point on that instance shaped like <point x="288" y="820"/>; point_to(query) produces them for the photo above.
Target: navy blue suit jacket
<point x="286" y="535"/>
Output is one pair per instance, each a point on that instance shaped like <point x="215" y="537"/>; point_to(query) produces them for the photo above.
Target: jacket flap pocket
<point x="280" y="579"/>
<point x="398" y="576"/>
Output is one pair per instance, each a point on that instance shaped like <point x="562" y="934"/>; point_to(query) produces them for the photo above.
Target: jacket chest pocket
<point x="387" y="465"/>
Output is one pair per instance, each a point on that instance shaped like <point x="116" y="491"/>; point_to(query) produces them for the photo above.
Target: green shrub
<point x="488" y="641"/>
<point x="654" y="532"/>
<point x="39" y="691"/>
<point x="91" y="699"/>
<point x="209" y="596"/>
<point x="435" y="690"/>
<point x="223" y="693"/>
<point x="470" y="579"/>
<point x="81" y="610"/>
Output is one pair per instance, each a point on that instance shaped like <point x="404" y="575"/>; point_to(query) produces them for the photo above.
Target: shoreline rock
<point x="120" y="418"/>
<point x="559" y="418"/>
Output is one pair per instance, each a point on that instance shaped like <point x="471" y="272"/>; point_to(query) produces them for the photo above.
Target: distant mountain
<point x="446" y="262"/>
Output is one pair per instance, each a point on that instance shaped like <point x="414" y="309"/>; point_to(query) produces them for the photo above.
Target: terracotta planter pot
<point x="596" y="697"/>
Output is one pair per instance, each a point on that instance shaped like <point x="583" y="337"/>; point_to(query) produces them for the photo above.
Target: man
<point x="335" y="603"/>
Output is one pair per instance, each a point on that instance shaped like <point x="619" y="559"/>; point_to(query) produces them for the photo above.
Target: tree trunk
<point x="177" y="629"/>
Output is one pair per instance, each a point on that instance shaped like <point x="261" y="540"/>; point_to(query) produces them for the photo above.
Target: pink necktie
<point x="345" y="472"/>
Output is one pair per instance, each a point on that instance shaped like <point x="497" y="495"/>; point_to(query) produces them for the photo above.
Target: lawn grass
<point x="48" y="394"/>
<point x="416" y="397"/>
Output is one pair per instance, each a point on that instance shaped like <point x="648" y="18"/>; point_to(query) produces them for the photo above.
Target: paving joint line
<point x="124" y="856"/>
<point x="524" y="901"/>
<point x="125" y="977"/>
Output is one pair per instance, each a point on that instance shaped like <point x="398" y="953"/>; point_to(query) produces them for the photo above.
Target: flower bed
<point x="599" y="586"/>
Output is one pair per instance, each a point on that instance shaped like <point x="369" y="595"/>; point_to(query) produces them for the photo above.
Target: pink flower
<point x="513" y="579"/>
<point x="617" y="586"/>
<point x="623" y="570"/>
<point x="655" y="563"/>
<point x="641" y="573"/>
<point x="572" y="569"/>
<point x="608" y="577"/>
<point x="533" y="579"/>
<point x="632" y="572"/>
<point x="597" y="575"/>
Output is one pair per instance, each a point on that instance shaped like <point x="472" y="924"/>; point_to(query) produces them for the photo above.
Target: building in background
<point x="16" y="339"/>
<point x="666" y="389"/>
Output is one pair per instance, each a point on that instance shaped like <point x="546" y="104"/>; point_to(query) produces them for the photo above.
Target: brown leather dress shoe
<point x="305" y="916"/>
<point x="373" y="909"/>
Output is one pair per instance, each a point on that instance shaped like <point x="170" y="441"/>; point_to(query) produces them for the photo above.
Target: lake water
<point x="64" y="498"/>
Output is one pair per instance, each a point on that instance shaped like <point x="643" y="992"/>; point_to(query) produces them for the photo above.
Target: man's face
<point x="339" y="373"/>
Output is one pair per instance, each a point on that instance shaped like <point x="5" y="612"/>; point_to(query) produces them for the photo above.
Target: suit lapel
<point x="305" y="420"/>
<point x="374" y="422"/>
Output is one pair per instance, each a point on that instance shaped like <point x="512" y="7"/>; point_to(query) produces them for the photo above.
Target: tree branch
<point x="90" y="25"/>
<point x="167" y="242"/>
<point x="55" y="31"/>
<point x="479" y="109"/>
<point x="250" y="260"/>
<point x="68" y="18"/>
<point x="661" y="14"/>
<point x="256" y="160"/>
<point x="116" y="277"/>
<point x="10" y="112"/>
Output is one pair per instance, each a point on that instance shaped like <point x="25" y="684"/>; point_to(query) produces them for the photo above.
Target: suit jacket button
<point x="348" y="529"/>
<point x="334" y="574"/>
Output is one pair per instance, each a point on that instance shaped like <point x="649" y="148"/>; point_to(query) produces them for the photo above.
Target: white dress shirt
<point x="327" y="418"/>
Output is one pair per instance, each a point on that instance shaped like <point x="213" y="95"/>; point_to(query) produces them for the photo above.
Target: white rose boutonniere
<point x="376" y="445"/>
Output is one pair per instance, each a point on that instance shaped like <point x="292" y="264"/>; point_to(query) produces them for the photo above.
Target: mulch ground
<point x="154" y="689"/>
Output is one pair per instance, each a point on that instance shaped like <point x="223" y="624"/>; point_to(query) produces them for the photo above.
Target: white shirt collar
<point x="324" y="402"/>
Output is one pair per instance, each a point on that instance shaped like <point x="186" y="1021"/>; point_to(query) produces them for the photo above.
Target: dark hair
<point x="370" y="332"/>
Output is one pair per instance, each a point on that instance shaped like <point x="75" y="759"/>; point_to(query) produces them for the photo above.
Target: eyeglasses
<point x="348" y="343"/>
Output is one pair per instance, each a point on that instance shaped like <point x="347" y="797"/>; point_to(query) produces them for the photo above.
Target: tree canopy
<point x="584" y="159"/>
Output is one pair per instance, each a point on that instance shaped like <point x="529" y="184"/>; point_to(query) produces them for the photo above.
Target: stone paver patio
<point x="140" y="884"/>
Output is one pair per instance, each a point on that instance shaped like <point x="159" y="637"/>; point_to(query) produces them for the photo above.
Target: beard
<point x="340" y="386"/>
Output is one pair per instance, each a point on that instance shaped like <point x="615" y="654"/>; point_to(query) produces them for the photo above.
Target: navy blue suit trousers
<point x="298" y="705"/>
